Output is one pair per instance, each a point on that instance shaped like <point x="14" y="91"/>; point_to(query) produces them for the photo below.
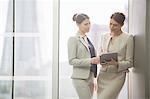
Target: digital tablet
<point x="107" y="57"/>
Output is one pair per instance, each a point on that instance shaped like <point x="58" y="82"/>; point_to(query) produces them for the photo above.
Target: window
<point x="26" y="49"/>
<point x="99" y="16"/>
<point x="26" y="35"/>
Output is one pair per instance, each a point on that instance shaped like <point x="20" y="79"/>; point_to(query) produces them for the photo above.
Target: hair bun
<point x="74" y="18"/>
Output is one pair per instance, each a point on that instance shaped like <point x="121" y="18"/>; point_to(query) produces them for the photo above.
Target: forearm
<point x="80" y="62"/>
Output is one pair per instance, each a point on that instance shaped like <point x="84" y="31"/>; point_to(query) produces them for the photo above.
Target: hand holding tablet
<point x="104" y="58"/>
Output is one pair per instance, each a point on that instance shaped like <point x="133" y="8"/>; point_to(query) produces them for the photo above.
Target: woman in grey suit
<point x="112" y="74"/>
<point x="82" y="56"/>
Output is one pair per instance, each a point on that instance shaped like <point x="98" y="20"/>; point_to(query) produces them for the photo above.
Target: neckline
<point x="113" y="37"/>
<point x="81" y="35"/>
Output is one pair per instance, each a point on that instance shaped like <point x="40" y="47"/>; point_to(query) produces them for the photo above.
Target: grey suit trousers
<point x="84" y="87"/>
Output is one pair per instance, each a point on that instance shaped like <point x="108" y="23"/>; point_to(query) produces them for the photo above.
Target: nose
<point x="88" y="26"/>
<point x="111" y="26"/>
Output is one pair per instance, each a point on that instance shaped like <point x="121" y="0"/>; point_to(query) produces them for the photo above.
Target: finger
<point x="113" y="60"/>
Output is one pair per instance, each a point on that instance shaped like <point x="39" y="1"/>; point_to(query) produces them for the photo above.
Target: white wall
<point x="137" y="26"/>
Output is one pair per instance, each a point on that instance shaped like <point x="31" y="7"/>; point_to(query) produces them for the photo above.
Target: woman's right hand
<point x="95" y="60"/>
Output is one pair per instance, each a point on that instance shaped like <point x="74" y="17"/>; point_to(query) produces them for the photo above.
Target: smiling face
<point x="114" y="26"/>
<point x="84" y="27"/>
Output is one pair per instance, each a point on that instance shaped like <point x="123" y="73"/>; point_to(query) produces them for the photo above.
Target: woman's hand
<point x="112" y="62"/>
<point x="95" y="60"/>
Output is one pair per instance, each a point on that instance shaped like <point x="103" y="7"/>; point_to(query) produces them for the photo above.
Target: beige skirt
<point x="109" y="85"/>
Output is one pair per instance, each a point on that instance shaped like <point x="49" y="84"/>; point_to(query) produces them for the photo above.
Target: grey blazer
<point x="79" y="57"/>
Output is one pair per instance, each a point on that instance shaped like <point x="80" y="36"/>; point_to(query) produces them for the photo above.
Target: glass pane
<point x="99" y="12"/>
<point x="6" y="16"/>
<point x="6" y="56"/>
<point x="33" y="37"/>
<point x="6" y="29"/>
<point x="33" y="47"/>
<point x="5" y="89"/>
<point x="31" y="90"/>
<point x="6" y="50"/>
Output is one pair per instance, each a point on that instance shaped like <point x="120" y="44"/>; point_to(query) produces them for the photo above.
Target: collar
<point x="81" y="36"/>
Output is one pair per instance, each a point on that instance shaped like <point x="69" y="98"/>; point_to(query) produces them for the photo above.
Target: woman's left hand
<point x="112" y="62"/>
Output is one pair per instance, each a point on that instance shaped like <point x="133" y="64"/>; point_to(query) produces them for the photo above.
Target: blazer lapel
<point x="107" y="42"/>
<point x="84" y="43"/>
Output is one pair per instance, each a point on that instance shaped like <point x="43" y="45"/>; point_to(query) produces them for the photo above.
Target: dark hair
<point x="118" y="17"/>
<point x="79" y="18"/>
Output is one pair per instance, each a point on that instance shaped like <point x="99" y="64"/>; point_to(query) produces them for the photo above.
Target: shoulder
<point x="73" y="39"/>
<point x="105" y="35"/>
<point x="128" y="35"/>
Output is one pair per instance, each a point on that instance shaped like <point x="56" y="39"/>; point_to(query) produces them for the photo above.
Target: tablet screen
<point x="108" y="56"/>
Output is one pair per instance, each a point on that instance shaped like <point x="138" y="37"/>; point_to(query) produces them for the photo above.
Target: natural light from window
<point x="99" y="12"/>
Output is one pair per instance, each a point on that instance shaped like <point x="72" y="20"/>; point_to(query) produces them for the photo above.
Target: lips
<point x="88" y="30"/>
<point x="112" y="30"/>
